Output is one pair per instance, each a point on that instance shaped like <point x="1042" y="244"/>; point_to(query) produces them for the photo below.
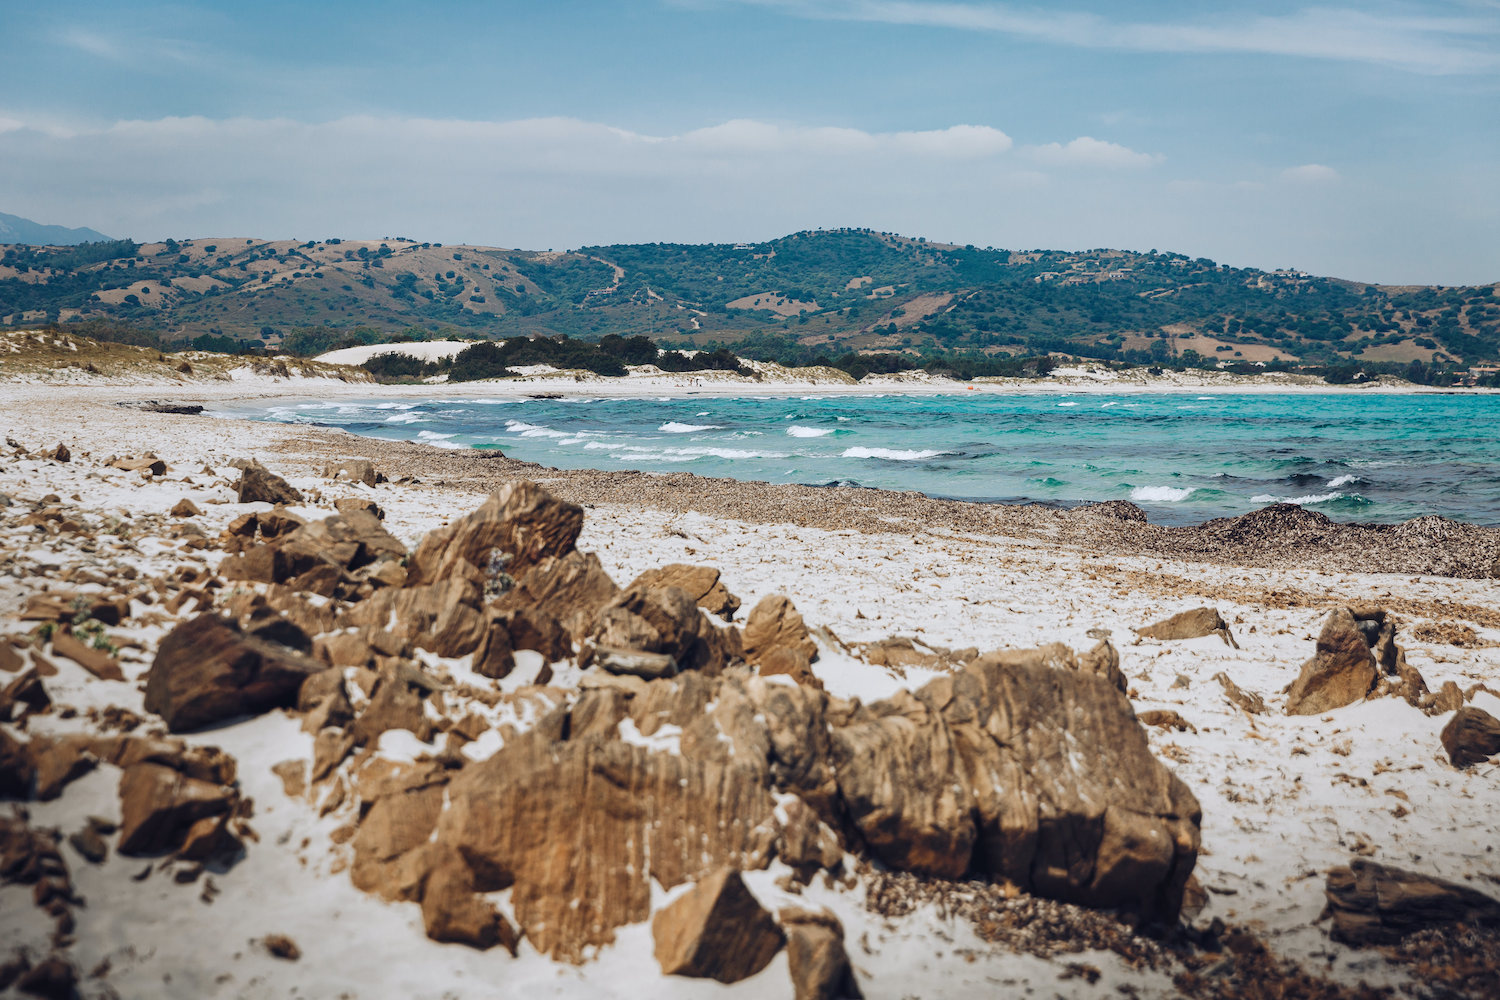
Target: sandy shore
<point x="1284" y="798"/>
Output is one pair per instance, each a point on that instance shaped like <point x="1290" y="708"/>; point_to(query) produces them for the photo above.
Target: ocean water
<point x="1182" y="457"/>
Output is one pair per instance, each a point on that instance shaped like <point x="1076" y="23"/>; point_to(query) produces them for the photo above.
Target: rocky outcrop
<point x="356" y="470"/>
<point x="259" y="484"/>
<point x="716" y="930"/>
<point x="207" y="669"/>
<point x="517" y="527"/>
<point x="701" y="583"/>
<point x="1471" y="737"/>
<point x="1191" y="624"/>
<point x="816" y="958"/>
<point x="1373" y="904"/>
<point x="1342" y="671"/>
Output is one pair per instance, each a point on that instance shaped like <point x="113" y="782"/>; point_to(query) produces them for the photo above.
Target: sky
<point x="1361" y="141"/>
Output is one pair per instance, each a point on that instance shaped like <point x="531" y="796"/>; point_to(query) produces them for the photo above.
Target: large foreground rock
<point x="1026" y="766"/>
<point x="520" y="520"/>
<point x="1373" y="904"/>
<point x="159" y="807"/>
<point x="816" y="958"/>
<point x="206" y="670"/>
<point x="1472" y="736"/>
<point x="716" y="930"/>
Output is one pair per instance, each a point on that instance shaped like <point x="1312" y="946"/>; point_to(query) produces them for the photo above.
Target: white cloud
<point x="1421" y="44"/>
<point x="1086" y="151"/>
<point x="1310" y="173"/>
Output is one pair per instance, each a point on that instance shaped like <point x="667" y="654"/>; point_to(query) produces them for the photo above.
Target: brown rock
<point x="1166" y="718"/>
<point x="701" y="583"/>
<point x="520" y="520"/>
<point x="154" y="466"/>
<point x="59" y="454"/>
<point x="495" y="656"/>
<point x="10" y="661"/>
<point x="452" y="913"/>
<point x="260" y="485"/>
<point x="53" y="978"/>
<point x="26" y="691"/>
<point x="716" y="930"/>
<point x="16" y="769"/>
<point x="791" y="662"/>
<point x="1341" y="672"/>
<point x="209" y="838"/>
<point x="1447" y="699"/>
<point x="1246" y="700"/>
<point x="58" y="760"/>
<point x="1373" y="904"/>
<point x="330" y="748"/>
<point x="90" y="844"/>
<point x="404" y="802"/>
<point x="816" y="958"/>
<point x="571" y="588"/>
<point x="206" y="670"/>
<point x="185" y="508"/>
<point x="775" y="622"/>
<point x="359" y="505"/>
<point x="293" y="775"/>
<point x="282" y="947"/>
<point x="1472" y="736"/>
<point x="661" y="620"/>
<point x="1190" y="625"/>
<point x="95" y="661"/>
<point x="356" y="470"/>
<point x="158" y="805"/>
<point x="393" y="705"/>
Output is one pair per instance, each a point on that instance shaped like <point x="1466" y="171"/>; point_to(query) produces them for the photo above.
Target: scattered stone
<point x="716" y="930"/>
<point x="1191" y="625"/>
<point x="1374" y="904"/>
<point x="158" y="805"/>
<point x="1448" y="633"/>
<point x="1166" y="718"/>
<point x="151" y="466"/>
<point x="775" y="623"/>
<point x="95" y="661"/>
<point x="53" y="978"/>
<point x="282" y="946"/>
<point x="1449" y="698"/>
<point x="352" y="505"/>
<point x="701" y="583"/>
<point x="816" y="958"/>
<point x="1245" y="700"/>
<point x="207" y="669"/>
<point x="59" y="454"/>
<point x="452" y="913"/>
<point x="90" y="843"/>
<point x="260" y="485"/>
<point x="293" y="775"/>
<point x="1341" y="672"/>
<point x="185" y="508"/>
<point x="357" y="470"/>
<point x="1472" y="736"/>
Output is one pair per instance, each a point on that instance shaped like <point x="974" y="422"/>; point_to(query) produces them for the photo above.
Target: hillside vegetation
<point x="809" y="294"/>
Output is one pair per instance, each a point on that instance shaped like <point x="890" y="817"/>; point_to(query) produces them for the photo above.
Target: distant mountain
<point x="793" y="299"/>
<point x="14" y="229"/>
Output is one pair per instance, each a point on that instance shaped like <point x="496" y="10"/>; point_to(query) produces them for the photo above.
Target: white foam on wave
<point x="1161" y="494"/>
<point x="634" y="453"/>
<point x="523" y="429"/>
<point x="1067" y="404"/>
<point x="1345" y="480"/>
<point x="808" y="432"/>
<point x="673" y="427"/>
<point x="403" y="418"/>
<point x="1299" y="501"/>
<point x="438" y="440"/>
<point x="891" y="454"/>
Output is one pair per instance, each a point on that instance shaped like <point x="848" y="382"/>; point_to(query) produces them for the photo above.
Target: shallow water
<point x="1183" y="457"/>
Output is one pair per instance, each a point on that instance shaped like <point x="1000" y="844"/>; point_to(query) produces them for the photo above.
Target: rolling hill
<point x="14" y="229"/>
<point x="808" y="293"/>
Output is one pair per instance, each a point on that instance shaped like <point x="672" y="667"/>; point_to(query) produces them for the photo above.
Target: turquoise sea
<point x="1183" y="457"/>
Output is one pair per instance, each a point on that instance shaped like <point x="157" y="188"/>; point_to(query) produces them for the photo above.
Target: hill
<point x="805" y="295"/>
<point x="14" y="229"/>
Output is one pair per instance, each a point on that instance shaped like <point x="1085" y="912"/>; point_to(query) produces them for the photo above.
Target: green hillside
<point x="813" y="292"/>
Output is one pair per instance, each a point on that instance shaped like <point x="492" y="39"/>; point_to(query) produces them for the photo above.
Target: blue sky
<point x="1361" y="141"/>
